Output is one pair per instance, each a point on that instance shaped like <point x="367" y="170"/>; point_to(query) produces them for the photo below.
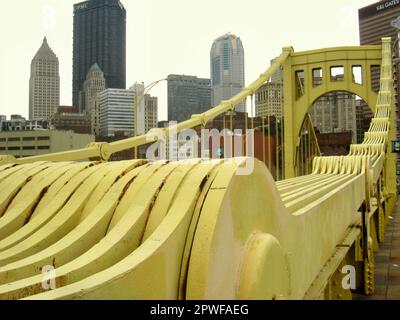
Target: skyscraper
<point x="99" y="37"/>
<point x="187" y="95"/>
<point x="151" y="112"/>
<point x="269" y="100"/>
<point x="93" y="85"/>
<point x="375" y="21"/>
<point x="227" y="69"/>
<point x="44" y="84"/>
<point x="117" y="112"/>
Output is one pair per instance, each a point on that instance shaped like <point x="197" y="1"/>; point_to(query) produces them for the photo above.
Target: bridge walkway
<point x="387" y="263"/>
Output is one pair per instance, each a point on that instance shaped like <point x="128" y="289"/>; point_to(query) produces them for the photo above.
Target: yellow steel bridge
<point x="75" y="226"/>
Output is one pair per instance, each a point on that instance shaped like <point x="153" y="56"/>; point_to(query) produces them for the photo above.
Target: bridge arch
<point x="371" y="106"/>
<point x="309" y="75"/>
<point x="306" y="135"/>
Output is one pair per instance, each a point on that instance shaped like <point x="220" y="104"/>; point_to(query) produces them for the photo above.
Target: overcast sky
<point x="170" y="37"/>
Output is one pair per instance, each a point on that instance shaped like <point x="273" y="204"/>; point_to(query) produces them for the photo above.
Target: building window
<point x="28" y="139"/>
<point x="43" y="138"/>
<point x="43" y="147"/>
<point x="14" y="139"/>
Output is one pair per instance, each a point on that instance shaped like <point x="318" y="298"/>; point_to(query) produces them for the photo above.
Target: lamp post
<point x="140" y="93"/>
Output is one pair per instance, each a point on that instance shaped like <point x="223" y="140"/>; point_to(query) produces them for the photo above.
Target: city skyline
<point x="171" y="45"/>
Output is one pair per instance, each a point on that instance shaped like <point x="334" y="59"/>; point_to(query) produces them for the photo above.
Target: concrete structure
<point x="67" y="119"/>
<point x="227" y="69"/>
<point x="269" y="100"/>
<point x="187" y="95"/>
<point x="34" y="142"/>
<point x="90" y="99"/>
<point x="44" y="84"/>
<point x="19" y="123"/>
<point x="335" y="143"/>
<point x="99" y="37"/>
<point x="117" y="113"/>
<point x="335" y="112"/>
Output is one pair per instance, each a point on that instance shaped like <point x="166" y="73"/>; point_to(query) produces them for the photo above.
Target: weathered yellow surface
<point x="197" y="229"/>
<point x="13" y="183"/>
<point x="130" y="278"/>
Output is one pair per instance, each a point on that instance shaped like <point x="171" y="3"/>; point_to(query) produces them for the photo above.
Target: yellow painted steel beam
<point x="6" y="159"/>
<point x="12" y="184"/>
<point x="205" y="187"/>
<point x="134" y="275"/>
<point x="129" y="197"/>
<point x="44" y="214"/>
<point x="166" y="197"/>
<point x="20" y="209"/>
<point x="121" y="240"/>
<point x="48" y="206"/>
<point x="67" y="184"/>
<point x="119" y="169"/>
<point x="65" y="220"/>
<point x="10" y="169"/>
<point x="294" y="185"/>
<point x="92" y="152"/>
<point x="252" y="250"/>
<point x="88" y="233"/>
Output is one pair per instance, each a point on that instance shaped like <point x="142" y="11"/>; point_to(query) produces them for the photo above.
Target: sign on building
<point x="396" y="146"/>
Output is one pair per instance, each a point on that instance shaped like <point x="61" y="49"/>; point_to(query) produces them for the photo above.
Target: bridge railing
<point x="371" y="157"/>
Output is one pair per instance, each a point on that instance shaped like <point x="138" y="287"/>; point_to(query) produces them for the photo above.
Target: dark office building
<point x="99" y="37"/>
<point x="375" y="19"/>
<point x="187" y="95"/>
